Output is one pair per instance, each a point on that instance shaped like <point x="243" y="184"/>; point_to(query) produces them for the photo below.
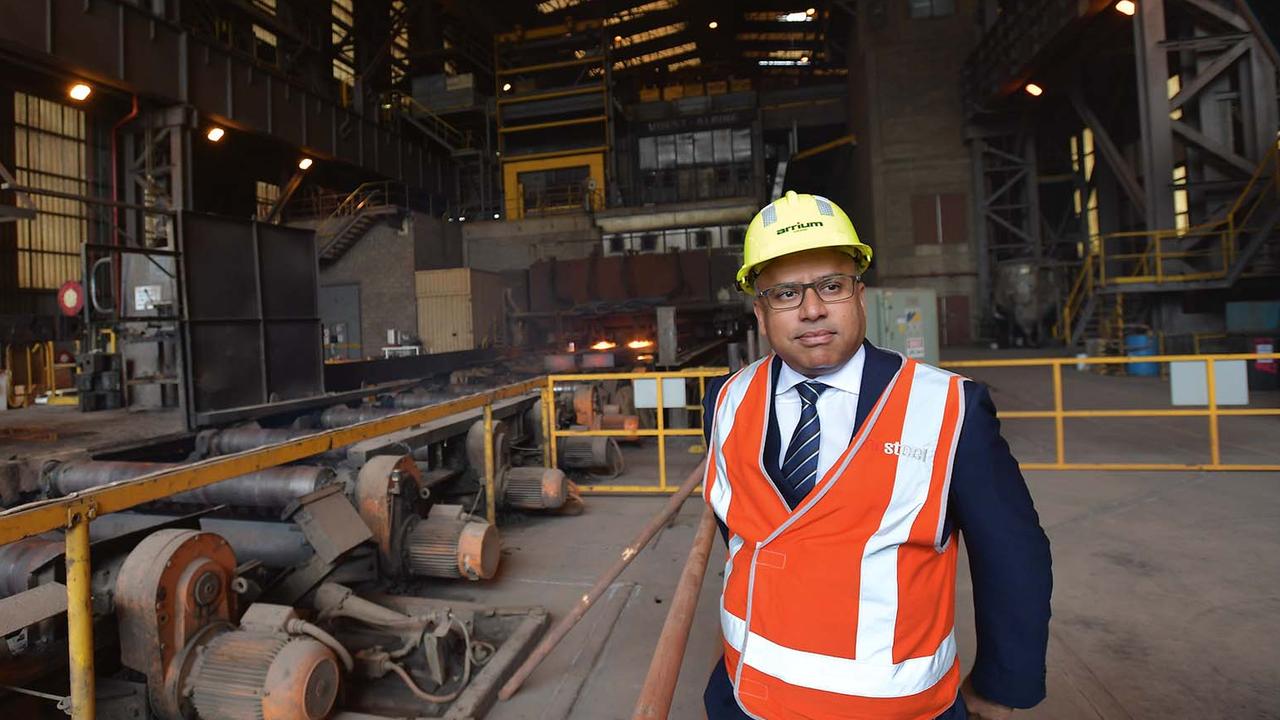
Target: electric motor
<point x="447" y="544"/>
<point x="535" y="488"/>
<point x="244" y="675"/>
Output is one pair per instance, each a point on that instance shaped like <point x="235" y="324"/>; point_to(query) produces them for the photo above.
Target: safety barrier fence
<point x="1059" y="414"/>
<point x="662" y="431"/>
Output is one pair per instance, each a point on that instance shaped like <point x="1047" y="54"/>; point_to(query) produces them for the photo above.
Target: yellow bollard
<point x="80" y="616"/>
<point x="1211" y="386"/>
<point x="1059" y="440"/>
<point x="551" y="421"/>
<point x="490" y="502"/>
<point x="662" y="437"/>
<point x="547" y="398"/>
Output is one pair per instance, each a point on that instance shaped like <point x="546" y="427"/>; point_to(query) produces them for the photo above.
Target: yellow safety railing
<point x="1146" y="253"/>
<point x="1079" y="294"/>
<point x="74" y="512"/>
<point x="662" y="432"/>
<point x="1059" y="414"/>
<point x="1143" y="256"/>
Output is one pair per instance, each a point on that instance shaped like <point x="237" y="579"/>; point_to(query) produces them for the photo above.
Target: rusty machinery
<point x="176" y="597"/>
<point x="356" y="517"/>
<point x="412" y="537"/>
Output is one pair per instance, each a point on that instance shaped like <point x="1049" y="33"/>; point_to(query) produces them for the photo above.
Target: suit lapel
<point x="877" y="370"/>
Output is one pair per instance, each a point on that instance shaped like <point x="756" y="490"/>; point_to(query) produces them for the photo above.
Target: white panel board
<point x="646" y="393"/>
<point x="1188" y="383"/>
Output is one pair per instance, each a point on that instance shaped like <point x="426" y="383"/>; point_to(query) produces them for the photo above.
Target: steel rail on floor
<point x="74" y="512"/>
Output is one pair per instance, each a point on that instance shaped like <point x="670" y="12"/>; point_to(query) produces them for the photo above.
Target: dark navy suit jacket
<point x="1008" y="551"/>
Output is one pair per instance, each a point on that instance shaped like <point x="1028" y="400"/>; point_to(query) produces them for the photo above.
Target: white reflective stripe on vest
<point x="720" y="492"/>
<point x="878" y="591"/>
<point x="862" y="678"/>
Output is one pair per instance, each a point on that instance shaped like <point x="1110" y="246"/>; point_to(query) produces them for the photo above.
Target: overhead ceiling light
<point x="713" y="24"/>
<point x="617" y="38"/>
<point x="79" y="91"/>
<point x="795" y="17"/>
<point x="1034" y="90"/>
<point x="506" y="87"/>
<point x="304" y="163"/>
<point x="496" y="216"/>
<point x="1128" y="7"/>
<point x="804" y="60"/>
<point x="811" y="12"/>
<point x="215" y="134"/>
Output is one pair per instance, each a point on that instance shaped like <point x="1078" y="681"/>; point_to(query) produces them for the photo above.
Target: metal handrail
<point x="1058" y="414"/>
<point x="453" y="137"/>
<point x="661" y="431"/>
<point x="1222" y="232"/>
<point x="1226" y="230"/>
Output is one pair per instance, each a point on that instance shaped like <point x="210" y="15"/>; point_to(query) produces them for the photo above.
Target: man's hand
<point x="981" y="708"/>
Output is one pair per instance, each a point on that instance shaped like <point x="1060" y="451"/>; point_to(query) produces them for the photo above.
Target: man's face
<point x="817" y="336"/>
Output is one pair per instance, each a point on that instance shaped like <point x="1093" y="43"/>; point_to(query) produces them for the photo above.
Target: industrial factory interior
<point x="427" y="359"/>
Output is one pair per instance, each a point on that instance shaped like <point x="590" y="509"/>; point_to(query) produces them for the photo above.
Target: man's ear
<point x="757" y="306"/>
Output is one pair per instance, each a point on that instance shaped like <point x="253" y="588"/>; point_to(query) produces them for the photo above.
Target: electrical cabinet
<point x="905" y="320"/>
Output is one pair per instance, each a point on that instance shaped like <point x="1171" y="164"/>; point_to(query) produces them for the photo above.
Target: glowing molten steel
<point x="604" y="345"/>
<point x="640" y="344"/>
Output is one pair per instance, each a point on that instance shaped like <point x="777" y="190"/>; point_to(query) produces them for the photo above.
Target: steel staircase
<point x="365" y="207"/>
<point x="1214" y="255"/>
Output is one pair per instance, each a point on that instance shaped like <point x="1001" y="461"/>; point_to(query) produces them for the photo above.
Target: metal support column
<point x="80" y="615"/>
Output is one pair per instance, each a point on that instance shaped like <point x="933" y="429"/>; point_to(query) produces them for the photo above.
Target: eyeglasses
<point x="830" y="289"/>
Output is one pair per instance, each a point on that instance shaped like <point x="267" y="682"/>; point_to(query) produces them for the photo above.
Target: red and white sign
<point x="71" y="298"/>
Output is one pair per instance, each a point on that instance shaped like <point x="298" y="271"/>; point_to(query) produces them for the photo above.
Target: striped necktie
<point x="800" y="465"/>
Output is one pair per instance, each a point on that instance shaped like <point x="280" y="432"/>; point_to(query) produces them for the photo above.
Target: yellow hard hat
<point x="793" y="223"/>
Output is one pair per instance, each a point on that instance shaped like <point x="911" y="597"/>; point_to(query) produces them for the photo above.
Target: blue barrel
<point x="1140" y="345"/>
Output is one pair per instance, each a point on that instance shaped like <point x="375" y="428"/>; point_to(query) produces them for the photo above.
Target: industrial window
<point x="264" y="44"/>
<point x="1181" y="204"/>
<point x="737" y="235"/>
<point x="617" y="243"/>
<point x="932" y="8"/>
<point x="268" y="6"/>
<point x="268" y="194"/>
<point x="49" y="153"/>
<point x="343" y="38"/>
<point x="937" y="219"/>
<point x="648" y="242"/>
<point x="702" y="238"/>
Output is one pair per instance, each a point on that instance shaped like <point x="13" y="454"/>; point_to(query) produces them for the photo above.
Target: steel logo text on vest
<point x="906" y="451"/>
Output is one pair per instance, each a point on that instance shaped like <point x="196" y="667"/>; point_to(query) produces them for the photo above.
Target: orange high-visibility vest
<point x="844" y="607"/>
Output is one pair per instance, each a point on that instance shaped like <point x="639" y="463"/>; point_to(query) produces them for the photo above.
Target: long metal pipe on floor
<point x="664" y="669"/>
<point x="628" y="554"/>
<point x="272" y="488"/>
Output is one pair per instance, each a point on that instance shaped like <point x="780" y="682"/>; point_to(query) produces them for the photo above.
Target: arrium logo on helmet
<point x="906" y="451"/>
<point x="799" y="226"/>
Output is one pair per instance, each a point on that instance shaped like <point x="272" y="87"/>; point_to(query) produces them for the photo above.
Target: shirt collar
<point x="847" y="377"/>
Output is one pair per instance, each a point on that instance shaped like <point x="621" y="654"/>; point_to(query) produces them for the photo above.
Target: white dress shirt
<point x="837" y="408"/>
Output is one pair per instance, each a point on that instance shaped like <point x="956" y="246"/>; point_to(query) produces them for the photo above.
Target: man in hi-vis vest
<point x="844" y="478"/>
